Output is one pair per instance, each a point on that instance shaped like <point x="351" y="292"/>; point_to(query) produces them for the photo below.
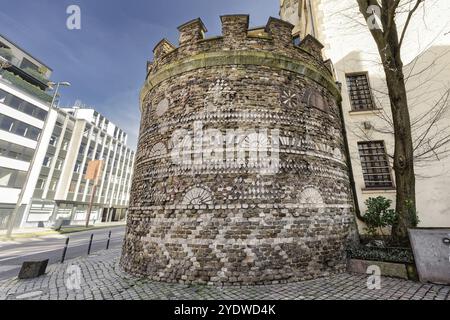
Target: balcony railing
<point x="16" y="81"/>
<point x="14" y="63"/>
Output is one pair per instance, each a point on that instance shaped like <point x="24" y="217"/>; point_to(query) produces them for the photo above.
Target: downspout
<point x="349" y="161"/>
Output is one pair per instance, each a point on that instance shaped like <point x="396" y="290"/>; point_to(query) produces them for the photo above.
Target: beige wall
<point x="299" y="13"/>
<point x="352" y="49"/>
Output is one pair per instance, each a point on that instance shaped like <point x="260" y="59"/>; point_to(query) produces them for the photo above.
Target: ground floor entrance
<point x="44" y="213"/>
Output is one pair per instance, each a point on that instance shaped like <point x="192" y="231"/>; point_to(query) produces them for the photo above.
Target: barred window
<point x="375" y="164"/>
<point x="359" y="91"/>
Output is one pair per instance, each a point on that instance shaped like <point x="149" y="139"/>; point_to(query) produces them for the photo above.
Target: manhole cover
<point x="29" y="295"/>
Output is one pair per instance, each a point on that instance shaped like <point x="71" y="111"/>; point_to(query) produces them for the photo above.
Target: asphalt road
<point x="13" y="254"/>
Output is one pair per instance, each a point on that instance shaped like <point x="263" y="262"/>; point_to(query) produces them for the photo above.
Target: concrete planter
<point x="388" y="269"/>
<point x="431" y="248"/>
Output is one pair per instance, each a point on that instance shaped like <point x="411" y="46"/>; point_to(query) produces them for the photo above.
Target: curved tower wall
<point x="240" y="173"/>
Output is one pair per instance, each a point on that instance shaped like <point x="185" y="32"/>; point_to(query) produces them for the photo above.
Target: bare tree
<point x="389" y="39"/>
<point x="430" y="127"/>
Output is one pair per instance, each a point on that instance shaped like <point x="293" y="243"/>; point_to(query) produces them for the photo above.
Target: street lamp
<point x="22" y="191"/>
<point x="57" y="84"/>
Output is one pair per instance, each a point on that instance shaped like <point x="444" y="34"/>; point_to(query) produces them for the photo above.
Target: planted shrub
<point x="379" y="215"/>
<point x="387" y="254"/>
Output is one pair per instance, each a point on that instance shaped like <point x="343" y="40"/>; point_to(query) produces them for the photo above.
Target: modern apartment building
<point x="53" y="185"/>
<point x="80" y="135"/>
<point x="349" y="44"/>
<point x="24" y="104"/>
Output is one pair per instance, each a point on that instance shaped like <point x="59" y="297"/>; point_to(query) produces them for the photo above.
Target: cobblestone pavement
<point x="101" y="278"/>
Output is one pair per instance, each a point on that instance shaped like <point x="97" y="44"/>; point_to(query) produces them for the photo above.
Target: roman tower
<point x="240" y="173"/>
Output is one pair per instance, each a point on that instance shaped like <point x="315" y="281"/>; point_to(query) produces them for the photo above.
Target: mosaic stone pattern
<point x="219" y="216"/>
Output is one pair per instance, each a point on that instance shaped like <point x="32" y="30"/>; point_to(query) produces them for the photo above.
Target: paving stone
<point x="107" y="281"/>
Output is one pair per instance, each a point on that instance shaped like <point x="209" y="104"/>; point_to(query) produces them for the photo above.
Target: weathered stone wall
<point x="220" y="216"/>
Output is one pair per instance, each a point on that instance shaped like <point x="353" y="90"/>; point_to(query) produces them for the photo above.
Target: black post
<point x="109" y="239"/>
<point x="65" y="250"/>
<point x="90" y="244"/>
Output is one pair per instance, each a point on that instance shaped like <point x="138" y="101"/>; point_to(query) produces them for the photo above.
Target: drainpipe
<point x="349" y="160"/>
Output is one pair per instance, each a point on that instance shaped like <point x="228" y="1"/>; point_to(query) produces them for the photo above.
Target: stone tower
<point x="240" y="172"/>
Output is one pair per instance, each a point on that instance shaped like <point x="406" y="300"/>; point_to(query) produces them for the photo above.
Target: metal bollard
<point x="90" y="244"/>
<point x="65" y="250"/>
<point x="109" y="239"/>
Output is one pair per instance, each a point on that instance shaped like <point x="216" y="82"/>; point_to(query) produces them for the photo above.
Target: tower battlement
<point x="275" y="36"/>
<point x="240" y="44"/>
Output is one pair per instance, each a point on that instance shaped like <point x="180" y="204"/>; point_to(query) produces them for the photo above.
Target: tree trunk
<point x="404" y="150"/>
<point x="389" y="48"/>
<point x="403" y="156"/>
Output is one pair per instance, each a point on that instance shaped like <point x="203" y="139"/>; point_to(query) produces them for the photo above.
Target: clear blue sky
<point x="105" y="61"/>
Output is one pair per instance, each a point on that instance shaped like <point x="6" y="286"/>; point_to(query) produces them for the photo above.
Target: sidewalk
<point x="99" y="277"/>
<point x="41" y="232"/>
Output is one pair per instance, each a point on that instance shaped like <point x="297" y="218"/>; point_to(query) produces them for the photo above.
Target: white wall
<point x="352" y="49"/>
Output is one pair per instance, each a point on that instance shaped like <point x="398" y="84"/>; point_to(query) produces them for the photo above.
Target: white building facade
<point x="19" y="134"/>
<point x="45" y="152"/>
<point x="24" y="105"/>
<point x="80" y="136"/>
<point x="425" y="52"/>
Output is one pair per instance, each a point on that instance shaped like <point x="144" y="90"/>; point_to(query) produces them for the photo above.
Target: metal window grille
<point x="375" y="164"/>
<point x="359" y="91"/>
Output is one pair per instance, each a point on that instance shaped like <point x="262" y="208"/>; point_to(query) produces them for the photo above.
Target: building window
<point x="375" y="164"/>
<point x="73" y="186"/>
<point x="15" y="151"/>
<point x="65" y="145"/>
<point x="90" y="152"/>
<point x="53" y="184"/>
<point x="359" y="91"/>
<point x="20" y="128"/>
<point x="28" y="64"/>
<point x="81" y="150"/>
<point x="77" y="167"/>
<point x="22" y="105"/>
<point x="47" y="162"/>
<point x="82" y="187"/>
<point x="40" y="184"/>
<point x="53" y="141"/>
<point x="59" y="164"/>
<point x="12" y="178"/>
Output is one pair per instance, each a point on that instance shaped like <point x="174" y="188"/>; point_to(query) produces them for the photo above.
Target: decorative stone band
<point x="162" y="171"/>
<point x="263" y="118"/>
<point x="234" y="163"/>
<point x="237" y="206"/>
<point x="257" y="58"/>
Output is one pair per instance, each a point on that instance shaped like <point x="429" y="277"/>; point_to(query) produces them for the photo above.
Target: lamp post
<point x="33" y="160"/>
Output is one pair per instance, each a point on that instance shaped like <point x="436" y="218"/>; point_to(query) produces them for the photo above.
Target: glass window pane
<point x="20" y="179"/>
<point x="33" y="133"/>
<point x="20" y="128"/>
<point x="6" y="123"/>
<point x="27" y="108"/>
<point x="5" y="177"/>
